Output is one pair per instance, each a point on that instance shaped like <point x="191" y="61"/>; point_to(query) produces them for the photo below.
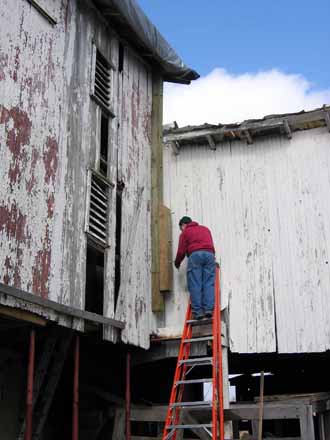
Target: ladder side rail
<point x="220" y="366"/>
<point x="215" y="383"/>
<point x="183" y="354"/>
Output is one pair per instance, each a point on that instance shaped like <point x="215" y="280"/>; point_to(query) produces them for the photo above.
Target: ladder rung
<point x="199" y="404"/>
<point x="204" y="338"/>
<point x="197" y="361"/>
<point x="207" y="379"/>
<point x="200" y="321"/>
<point x="202" y="425"/>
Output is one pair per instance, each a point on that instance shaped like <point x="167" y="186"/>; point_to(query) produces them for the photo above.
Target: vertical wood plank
<point x="165" y="249"/>
<point x="156" y="187"/>
<point x="306" y="423"/>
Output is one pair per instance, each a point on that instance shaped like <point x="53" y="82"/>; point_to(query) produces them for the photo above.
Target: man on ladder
<point x="196" y="242"/>
<point x="203" y="277"/>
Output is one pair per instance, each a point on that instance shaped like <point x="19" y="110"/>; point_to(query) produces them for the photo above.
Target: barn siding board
<point x="266" y="206"/>
<point x="134" y="303"/>
<point x="49" y="136"/>
<point x="32" y="196"/>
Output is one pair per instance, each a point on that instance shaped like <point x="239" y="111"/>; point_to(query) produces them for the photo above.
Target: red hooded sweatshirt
<point x="194" y="238"/>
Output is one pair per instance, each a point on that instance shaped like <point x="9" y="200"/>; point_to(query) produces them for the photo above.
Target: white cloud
<point x="221" y="97"/>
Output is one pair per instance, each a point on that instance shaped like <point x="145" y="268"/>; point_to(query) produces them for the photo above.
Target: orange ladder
<point x="185" y="364"/>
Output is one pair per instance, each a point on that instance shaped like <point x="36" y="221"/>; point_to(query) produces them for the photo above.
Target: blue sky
<point x="243" y="37"/>
<point x="248" y="35"/>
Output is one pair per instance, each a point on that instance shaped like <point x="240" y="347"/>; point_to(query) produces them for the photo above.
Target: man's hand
<point x="177" y="265"/>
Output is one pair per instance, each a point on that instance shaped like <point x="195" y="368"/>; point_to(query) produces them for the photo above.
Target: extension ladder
<point x="176" y="419"/>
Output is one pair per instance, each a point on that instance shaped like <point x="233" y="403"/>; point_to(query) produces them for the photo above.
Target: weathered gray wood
<point x="60" y="308"/>
<point x="175" y="147"/>
<point x="327" y="119"/>
<point x="307" y="423"/>
<point x="326" y="418"/>
<point x="148" y="414"/>
<point x="119" y="425"/>
<point x="211" y="142"/>
<point x="287" y="129"/>
<point x="251" y="412"/>
<point x="261" y="405"/>
<point x="321" y="427"/>
<point x="287" y="122"/>
<point x="248" y="137"/>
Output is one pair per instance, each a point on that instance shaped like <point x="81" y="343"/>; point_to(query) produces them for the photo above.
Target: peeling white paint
<point x="266" y="205"/>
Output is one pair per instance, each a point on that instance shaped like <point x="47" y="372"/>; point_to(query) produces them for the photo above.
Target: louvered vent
<point x="102" y="80"/>
<point x="98" y="209"/>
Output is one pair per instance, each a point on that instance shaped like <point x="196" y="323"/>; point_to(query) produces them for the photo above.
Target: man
<point x="196" y="242"/>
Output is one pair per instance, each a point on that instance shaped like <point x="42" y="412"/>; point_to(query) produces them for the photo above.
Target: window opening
<point x="94" y="279"/>
<point x="119" y="201"/>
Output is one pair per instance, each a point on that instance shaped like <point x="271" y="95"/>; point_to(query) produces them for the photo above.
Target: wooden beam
<point x="287" y="129"/>
<point x="149" y="414"/>
<point x="57" y="307"/>
<point x="307" y="423"/>
<point x="175" y="145"/>
<point x="156" y="187"/>
<point x="248" y="137"/>
<point x="211" y="142"/>
<point x="251" y="412"/>
<point x="165" y="250"/>
<point x="327" y="119"/>
<point x="22" y="315"/>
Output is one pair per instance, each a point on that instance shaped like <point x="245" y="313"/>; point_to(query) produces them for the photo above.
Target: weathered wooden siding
<point x="134" y="170"/>
<point x="32" y="151"/>
<point x="49" y="135"/>
<point x="266" y="205"/>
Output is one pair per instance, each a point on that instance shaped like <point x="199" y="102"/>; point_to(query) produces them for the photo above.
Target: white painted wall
<point x="268" y="209"/>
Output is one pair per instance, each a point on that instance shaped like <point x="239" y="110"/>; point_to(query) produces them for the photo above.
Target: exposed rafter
<point x="287" y="129"/>
<point x="175" y="145"/>
<point x="248" y="137"/>
<point x="211" y="142"/>
<point x="327" y="119"/>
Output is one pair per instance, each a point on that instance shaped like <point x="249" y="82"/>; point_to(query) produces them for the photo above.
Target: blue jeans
<point x="200" y="280"/>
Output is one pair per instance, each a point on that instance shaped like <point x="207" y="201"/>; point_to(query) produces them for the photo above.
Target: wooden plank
<point x="175" y="147"/>
<point x="287" y="129"/>
<point x="134" y="164"/>
<point x="261" y="405"/>
<point x="165" y="249"/>
<point x="119" y="424"/>
<point x="22" y="315"/>
<point x="307" y="423"/>
<point x="327" y="119"/>
<point x="156" y="188"/>
<point x="251" y="412"/>
<point x="148" y="414"/>
<point x="61" y="308"/>
<point x="211" y="142"/>
<point x="306" y="397"/>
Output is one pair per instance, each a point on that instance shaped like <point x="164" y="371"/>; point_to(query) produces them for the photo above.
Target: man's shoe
<point x="209" y="314"/>
<point x="197" y="317"/>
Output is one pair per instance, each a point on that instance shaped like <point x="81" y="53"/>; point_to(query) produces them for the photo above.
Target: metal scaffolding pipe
<point x="128" y="396"/>
<point x="29" y="390"/>
<point x="75" y="412"/>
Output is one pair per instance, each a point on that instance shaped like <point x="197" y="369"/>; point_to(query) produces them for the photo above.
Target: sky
<point x="254" y="57"/>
